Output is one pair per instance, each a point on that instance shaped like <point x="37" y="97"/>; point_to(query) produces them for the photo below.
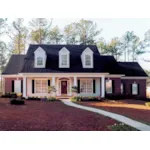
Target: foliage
<point x="74" y="89"/>
<point x="14" y="101"/>
<point x="70" y="34"/>
<point x="40" y="28"/>
<point x="34" y="98"/>
<point x="51" y="99"/>
<point x="84" y="98"/>
<point x="51" y="89"/>
<point x="18" y="34"/>
<point x="9" y="95"/>
<point x="121" y="127"/>
<point x="55" y="36"/>
<point x="147" y="104"/>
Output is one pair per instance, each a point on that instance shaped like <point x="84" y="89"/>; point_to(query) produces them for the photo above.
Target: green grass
<point x="121" y="127"/>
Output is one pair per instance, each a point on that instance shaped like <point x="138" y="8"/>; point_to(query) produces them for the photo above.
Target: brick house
<point x="65" y="66"/>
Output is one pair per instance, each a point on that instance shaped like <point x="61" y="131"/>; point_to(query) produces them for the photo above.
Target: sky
<point x="113" y="28"/>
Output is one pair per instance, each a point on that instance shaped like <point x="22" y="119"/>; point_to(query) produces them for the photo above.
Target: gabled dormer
<point x="87" y="58"/>
<point x="64" y="58"/>
<point x="40" y="58"/>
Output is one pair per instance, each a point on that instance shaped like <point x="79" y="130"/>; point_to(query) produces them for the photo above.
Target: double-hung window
<point x="134" y="89"/>
<point x="86" y="86"/>
<point x="64" y="60"/>
<point x="109" y="86"/>
<point x="39" y="61"/>
<point x="41" y="86"/>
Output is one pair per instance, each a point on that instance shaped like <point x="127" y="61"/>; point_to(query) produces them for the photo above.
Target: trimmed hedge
<point x="82" y="98"/>
<point x="17" y="102"/>
<point x="9" y="95"/>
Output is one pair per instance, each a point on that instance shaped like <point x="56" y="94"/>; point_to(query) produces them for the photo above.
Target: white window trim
<point x="86" y="87"/>
<point x="39" y="52"/>
<point x="64" y="51"/>
<point x="87" y="51"/>
<point x="40" y="80"/>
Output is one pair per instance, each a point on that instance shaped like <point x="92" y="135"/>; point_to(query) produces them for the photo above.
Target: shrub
<point x="17" y="101"/>
<point x="147" y="104"/>
<point x="50" y="99"/>
<point x="34" y="98"/>
<point x="121" y="127"/>
<point x="9" y="95"/>
<point x="83" y="98"/>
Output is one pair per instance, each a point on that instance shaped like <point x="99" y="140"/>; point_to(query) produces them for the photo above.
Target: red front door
<point x="63" y="87"/>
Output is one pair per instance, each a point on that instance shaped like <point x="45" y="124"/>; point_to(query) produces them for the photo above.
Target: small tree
<point x="74" y="90"/>
<point x="52" y="89"/>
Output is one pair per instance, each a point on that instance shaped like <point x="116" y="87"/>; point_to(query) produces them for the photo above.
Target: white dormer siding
<point x="40" y="58"/>
<point x="64" y="58"/>
<point x="87" y="58"/>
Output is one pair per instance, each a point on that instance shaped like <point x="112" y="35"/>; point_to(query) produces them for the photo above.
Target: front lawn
<point x="134" y="109"/>
<point x="49" y="116"/>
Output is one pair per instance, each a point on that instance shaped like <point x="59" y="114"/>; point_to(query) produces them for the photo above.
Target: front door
<point x="63" y="87"/>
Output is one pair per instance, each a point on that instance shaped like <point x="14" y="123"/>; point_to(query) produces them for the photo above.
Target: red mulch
<point x="49" y="116"/>
<point x="134" y="109"/>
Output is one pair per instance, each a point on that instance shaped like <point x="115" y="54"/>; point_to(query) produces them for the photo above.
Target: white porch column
<point x="103" y="87"/>
<point x="24" y="87"/>
<point x="75" y="81"/>
<point x="53" y="81"/>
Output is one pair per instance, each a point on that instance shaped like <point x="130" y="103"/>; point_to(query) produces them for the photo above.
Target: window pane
<point x="134" y="88"/>
<point x="86" y="86"/>
<point x="39" y="61"/>
<point x="63" y="60"/>
<point x="108" y="86"/>
<point x="122" y="88"/>
<point x="87" y="60"/>
<point x="41" y="86"/>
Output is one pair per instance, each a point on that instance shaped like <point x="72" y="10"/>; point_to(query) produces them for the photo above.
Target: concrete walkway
<point x="135" y="124"/>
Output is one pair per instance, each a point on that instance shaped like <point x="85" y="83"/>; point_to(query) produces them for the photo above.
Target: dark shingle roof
<point x="14" y="65"/>
<point x="131" y="69"/>
<point x="102" y="64"/>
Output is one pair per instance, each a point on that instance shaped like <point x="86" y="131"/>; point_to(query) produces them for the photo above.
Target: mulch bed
<point x="49" y="116"/>
<point x="133" y="109"/>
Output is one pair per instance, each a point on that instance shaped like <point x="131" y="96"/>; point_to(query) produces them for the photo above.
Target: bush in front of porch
<point x="84" y="98"/>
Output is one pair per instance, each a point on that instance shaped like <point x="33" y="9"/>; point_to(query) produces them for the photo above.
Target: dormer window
<point x="64" y="58"/>
<point x="40" y="58"/>
<point x="87" y="58"/>
<point x="39" y="61"/>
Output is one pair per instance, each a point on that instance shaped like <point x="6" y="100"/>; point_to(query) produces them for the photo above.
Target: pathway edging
<point x="133" y="123"/>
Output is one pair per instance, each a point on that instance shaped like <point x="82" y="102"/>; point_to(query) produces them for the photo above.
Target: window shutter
<point x="78" y="86"/>
<point x="32" y="86"/>
<point x="12" y="85"/>
<point x="131" y="88"/>
<point x="94" y="87"/>
<point x="21" y="86"/>
<point x="138" y="89"/>
<point x="113" y="86"/>
<point x="49" y="83"/>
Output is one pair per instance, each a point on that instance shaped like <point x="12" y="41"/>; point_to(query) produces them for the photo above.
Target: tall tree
<point x="137" y="48"/>
<point x="87" y="32"/>
<point x="2" y="25"/>
<point x="18" y="35"/>
<point x="111" y="48"/>
<point x="70" y="34"/>
<point x="55" y="36"/>
<point x="127" y="40"/>
<point x="40" y="28"/>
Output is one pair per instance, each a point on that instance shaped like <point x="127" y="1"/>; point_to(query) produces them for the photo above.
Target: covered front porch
<point x="87" y="84"/>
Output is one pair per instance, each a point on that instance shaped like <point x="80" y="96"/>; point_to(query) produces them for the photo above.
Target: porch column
<point x="75" y="81"/>
<point x="53" y="81"/>
<point x="24" y="87"/>
<point x="103" y="87"/>
<point x="54" y="84"/>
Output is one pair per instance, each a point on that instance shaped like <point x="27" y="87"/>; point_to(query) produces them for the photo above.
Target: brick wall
<point x="142" y="86"/>
<point x="8" y="84"/>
